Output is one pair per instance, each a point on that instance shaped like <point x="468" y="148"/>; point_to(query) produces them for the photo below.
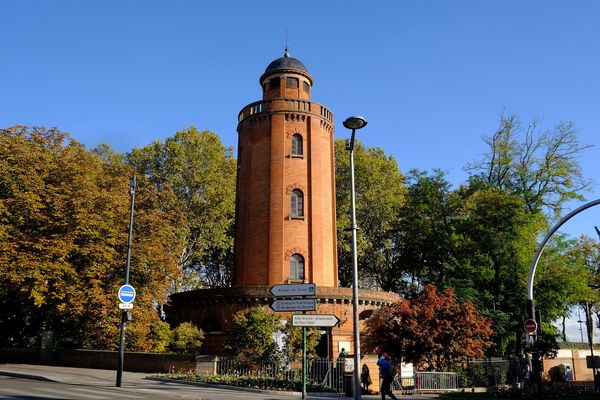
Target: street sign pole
<point x="303" y="304"/>
<point x="127" y="265"/>
<point x="304" y="362"/>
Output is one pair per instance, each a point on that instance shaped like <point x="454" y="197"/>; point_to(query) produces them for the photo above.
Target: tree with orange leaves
<point x="431" y="329"/>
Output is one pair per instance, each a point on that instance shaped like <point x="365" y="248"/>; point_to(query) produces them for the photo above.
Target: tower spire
<point x="286" y="54"/>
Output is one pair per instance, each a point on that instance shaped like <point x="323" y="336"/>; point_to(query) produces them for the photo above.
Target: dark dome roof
<point x="286" y="62"/>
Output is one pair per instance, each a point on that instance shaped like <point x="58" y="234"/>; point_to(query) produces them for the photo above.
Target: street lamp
<point x="354" y="123"/>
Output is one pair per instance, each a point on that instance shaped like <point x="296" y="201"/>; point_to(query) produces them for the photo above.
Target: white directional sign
<point x="302" y="289"/>
<point x="125" y="306"/>
<point x="294" y="305"/>
<point x="321" y="320"/>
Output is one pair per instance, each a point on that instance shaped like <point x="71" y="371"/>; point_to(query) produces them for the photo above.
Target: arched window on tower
<point x="296" y="267"/>
<point x="297" y="150"/>
<point x="297" y="204"/>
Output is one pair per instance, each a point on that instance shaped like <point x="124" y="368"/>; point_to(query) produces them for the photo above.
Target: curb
<point x="244" y="389"/>
<point x="27" y="376"/>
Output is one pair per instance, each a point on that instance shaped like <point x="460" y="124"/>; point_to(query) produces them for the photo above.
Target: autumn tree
<point x="431" y="329"/>
<point x="64" y="217"/>
<point x="201" y="172"/>
<point x="379" y="194"/>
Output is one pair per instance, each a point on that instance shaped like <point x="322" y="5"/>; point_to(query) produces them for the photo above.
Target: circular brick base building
<point x="213" y="310"/>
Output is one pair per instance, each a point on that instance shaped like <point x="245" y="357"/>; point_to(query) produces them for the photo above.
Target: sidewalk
<point x="107" y="378"/>
<point x="92" y="377"/>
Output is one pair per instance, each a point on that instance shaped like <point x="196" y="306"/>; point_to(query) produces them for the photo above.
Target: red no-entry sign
<point x="530" y="326"/>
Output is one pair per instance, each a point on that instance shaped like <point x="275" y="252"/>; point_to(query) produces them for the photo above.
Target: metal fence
<point x="435" y="381"/>
<point x="491" y="372"/>
<point x="325" y="373"/>
<point x="328" y="374"/>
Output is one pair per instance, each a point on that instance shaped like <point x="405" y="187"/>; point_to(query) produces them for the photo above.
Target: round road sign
<point x="126" y="294"/>
<point x="530" y="326"/>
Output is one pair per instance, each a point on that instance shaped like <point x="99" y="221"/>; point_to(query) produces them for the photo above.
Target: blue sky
<point x="431" y="77"/>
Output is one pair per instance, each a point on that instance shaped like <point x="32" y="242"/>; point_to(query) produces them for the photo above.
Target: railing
<point x="492" y="372"/>
<point x="405" y="385"/>
<point x="435" y="381"/>
<point x="323" y="372"/>
<point x="290" y="104"/>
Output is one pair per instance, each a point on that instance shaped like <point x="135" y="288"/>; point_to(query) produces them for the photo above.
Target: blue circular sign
<point x="126" y="294"/>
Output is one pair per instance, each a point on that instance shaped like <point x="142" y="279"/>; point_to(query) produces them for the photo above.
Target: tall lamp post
<point x="354" y="123"/>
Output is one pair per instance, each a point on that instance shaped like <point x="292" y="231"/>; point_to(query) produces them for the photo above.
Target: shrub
<point x="187" y="338"/>
<point x="161" y="336"/>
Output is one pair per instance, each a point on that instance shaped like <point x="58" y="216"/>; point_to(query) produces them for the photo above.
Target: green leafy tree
<point x="431" y="329"/>
<point x="426" y="237"/>
<point x="537" y="164"/>
<point x="187" y="338"/>
<point x="379" y="194"/>
<point x="293" y="341"/>
<point x="253" y="335"/>
<point x="497" y="238"/>
<point x="201" y="172"/>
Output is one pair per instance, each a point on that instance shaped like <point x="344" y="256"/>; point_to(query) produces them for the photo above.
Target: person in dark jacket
<point x="386" y="373"/>
<point x="365" y="378"/>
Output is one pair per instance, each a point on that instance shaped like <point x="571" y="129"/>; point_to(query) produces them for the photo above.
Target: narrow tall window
<point x="296" y="267"/>
<point x="297" y="204"/>
<point x="274" y="83"/>
<point x="292" y="83"/>
<point x="297" y="145"/>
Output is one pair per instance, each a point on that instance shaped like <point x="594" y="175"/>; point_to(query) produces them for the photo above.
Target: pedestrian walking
<point x="387" y="371"/>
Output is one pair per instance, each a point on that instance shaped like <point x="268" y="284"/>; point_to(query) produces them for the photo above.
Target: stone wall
<point x="576" y="359"/>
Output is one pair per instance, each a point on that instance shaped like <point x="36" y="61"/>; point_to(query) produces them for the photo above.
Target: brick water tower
<point x="285" y="211"/>
<point x="285" y="215"/>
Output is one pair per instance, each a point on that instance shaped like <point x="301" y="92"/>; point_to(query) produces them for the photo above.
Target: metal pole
<point x="538" y="254"/>
<point x="304" y="362"/>
<point x="590" y="332"/>
<point x="530" y="304"/>
<point x="357" y="394"/>
<point x="127" y="265"/>
<point x="590" y="323"/>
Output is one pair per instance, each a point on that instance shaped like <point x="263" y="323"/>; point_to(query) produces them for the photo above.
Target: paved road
<point x="37" y="382"/>
<point x="21" y="388"/>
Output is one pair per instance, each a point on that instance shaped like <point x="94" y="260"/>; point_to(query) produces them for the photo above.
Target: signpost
<point x="294" y="305"/>
<point x="302" y="304"/>
<point x="530" y="326"/>
<point x="317" y="320"/>
<point x="304" y="289"/>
